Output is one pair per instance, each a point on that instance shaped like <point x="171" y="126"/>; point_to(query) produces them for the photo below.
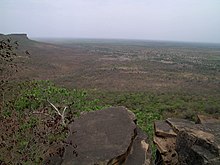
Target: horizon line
<point x="132" y="39"/>
<point x="114" y="38"/>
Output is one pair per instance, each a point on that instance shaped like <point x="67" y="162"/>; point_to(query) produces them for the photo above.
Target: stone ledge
<point x="194" y="144"/>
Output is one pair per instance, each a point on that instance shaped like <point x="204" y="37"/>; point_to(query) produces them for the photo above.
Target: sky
<point x="172" y="20"/>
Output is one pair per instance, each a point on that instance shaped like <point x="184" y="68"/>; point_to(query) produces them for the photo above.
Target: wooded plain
<point x="154" y="79"/>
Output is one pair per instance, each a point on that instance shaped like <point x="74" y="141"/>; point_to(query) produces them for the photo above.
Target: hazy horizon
<point x="58" y="39"/>
<point x="180" y="20"/>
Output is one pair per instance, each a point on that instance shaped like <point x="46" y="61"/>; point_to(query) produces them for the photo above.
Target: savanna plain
<point x="153" y="79"/>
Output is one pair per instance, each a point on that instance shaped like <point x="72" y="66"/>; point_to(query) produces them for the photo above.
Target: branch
<point x="54" y="107"/>
<point x="62" y="115"/>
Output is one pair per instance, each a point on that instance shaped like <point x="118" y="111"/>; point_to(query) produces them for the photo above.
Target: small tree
<point x="7" y="56"/>
<point x="8" y="66"/>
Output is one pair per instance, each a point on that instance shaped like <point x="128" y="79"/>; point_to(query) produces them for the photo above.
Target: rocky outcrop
<point x="20" y="36"/>
<point x="183" y="142"/>
<point x="111" y="137"/>
<point x="108" y="136"/>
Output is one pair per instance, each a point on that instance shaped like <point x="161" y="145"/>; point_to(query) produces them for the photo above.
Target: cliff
<point x="17" y="37"/>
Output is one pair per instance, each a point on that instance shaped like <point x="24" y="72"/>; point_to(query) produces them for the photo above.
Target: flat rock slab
<point x="100" y="137"/>
<point x="163" y="129"/>
<point x="203" y="119"/>
<point x="181" y="124"/>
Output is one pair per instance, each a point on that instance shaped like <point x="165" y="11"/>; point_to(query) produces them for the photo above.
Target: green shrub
<point x="31" y="127"/>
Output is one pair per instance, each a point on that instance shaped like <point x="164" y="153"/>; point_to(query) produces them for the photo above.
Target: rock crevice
<point x="194" y="143"/>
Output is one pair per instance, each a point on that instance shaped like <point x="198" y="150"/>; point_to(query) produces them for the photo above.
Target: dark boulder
<point x="108" y="136"/>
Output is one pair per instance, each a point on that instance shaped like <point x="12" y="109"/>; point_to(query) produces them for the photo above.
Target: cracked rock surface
<point x="193" y="144"/>
<point x="106" y="137"/>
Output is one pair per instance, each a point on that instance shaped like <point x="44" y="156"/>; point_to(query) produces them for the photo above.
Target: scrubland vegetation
<point x="31" y="129"/>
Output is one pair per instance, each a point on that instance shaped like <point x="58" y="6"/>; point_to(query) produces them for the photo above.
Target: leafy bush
<point x="31" y="128"/>
<point x="34" y="95"/>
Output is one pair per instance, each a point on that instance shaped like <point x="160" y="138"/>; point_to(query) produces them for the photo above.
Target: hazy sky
<point x="180" y="20"/>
